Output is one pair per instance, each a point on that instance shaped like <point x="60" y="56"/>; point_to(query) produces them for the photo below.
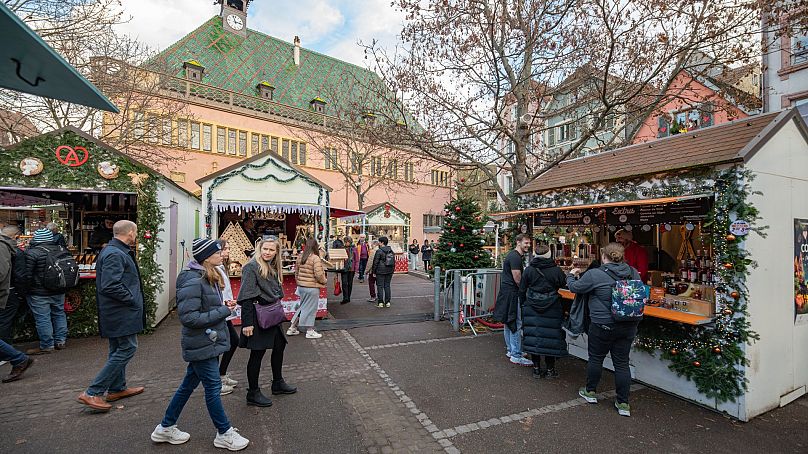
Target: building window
<point x="409" y="171"/>
<point x="331" y="160"/>
<point x="274" y="145"/>
<point x="799" y="49"/>
<point x="182" y="133"/>
<point x="221" y="140"/>
<point x="264" y="143"/>
<point x="356" y="163"/>
<point x="566" y="132"/>
<point x="392" y="169"/>
<point x="231" y="142"/>
<point x="440" y="178"/>
<point x="242" y="143"/>
<point x="376" y="166"/>
<point x="178" y="177"/>
<point x="285" y="149"/>
<point x="293" y="154"/>
<point x="255" y="139"/>
<point x="195" y="138"/>
<point x="166" y="133"/>
<point x="301" y="155"/>
<point x="206" y="137"/>
<point x="551" y="137"/>
<point x="139" y="129"/>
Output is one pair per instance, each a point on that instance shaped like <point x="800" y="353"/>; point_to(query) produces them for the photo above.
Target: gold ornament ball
<point x="727" y="311"/>
<point x="696" y="363"/>
<point x="735" y="295"/>
<point x="728" y="265"/>
<point x="717" y="350"/>
<point x="730" y="237"/>
<point x="674" y="352"/>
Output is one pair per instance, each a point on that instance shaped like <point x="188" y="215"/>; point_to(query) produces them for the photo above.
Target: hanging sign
<point x="31" y="166"/>
<point x="72" y="156"/>
<point x="739" y="227"/>
<point x="108" y="170"/>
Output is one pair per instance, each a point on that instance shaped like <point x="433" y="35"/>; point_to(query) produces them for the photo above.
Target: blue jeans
<point x="50" y="318"/>
<point x="11" y="354"/>
<point x="513" y="339"/>
<point x="206" y="372"/>
<point x="112" y="377"/>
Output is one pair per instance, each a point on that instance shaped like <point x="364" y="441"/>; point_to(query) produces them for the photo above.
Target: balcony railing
<point x="190" y="89"/>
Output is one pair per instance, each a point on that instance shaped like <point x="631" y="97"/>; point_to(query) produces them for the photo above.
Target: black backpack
<point x="61" y="270"/>
<point x="389" y="258"/>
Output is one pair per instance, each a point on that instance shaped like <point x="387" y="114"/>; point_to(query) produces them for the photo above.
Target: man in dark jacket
<point x="47" y="305"/>
<point x="8" y="248"/>
<point x="605" y="334"/>
<point x="102" y="234"/>
<point x="16" y="305"/>
<point x="384" y="272"/>
<point x="542" y="312"/>
<point x="507" y="308"/>
<point x="121" y="315"/>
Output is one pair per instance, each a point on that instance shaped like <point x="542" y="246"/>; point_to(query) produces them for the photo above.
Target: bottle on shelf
<point x="683" y="271"/>
<point x="693" y="273"/>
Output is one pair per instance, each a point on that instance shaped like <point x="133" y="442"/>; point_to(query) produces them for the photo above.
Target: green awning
<point x="29" y="65"/>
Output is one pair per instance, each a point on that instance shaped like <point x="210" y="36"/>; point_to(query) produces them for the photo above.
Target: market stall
<point x="267" y="196"/>
<point x="83" y="186"/>
<point x="384" y="219"/>
<point x="721" y="217"/>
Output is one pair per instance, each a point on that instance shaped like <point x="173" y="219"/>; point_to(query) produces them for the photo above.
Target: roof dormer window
<point x="265" y="90"/>
<point x="317" y="104"/>
<point x="193" y="70"/>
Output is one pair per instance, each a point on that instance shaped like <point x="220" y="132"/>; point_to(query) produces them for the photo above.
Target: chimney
<point x="297" y="51"/>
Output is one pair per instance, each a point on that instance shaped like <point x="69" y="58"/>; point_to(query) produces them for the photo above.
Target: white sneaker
<point x="311" y="334"/>
<point x="292" y="331"/>
<point x="230" y="440"/>
<point x="226" y="380"/>
<point x="169" y="435"/>
<point x="226" y="389"/>
<point x="3" y="363"/>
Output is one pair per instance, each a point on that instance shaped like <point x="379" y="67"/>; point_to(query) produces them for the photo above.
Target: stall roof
<point x="344" y="212"/>
<point x="659" y="201"/>
<point x="261" y="156"/>
<point x="736" y="141"/>
<point x="31" y="66"/>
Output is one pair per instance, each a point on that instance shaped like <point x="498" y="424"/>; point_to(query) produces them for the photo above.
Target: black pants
<point x="254" y="365"/>
<point x="363" y="265"/>
<point x="614" y="338"/>
<point x="427" y="264"/>
<point x="383" y="287"/>
<point x="228" y="355"/>
<point x="347" y="285"/>
<point x="16" y="307"/>
<point x="549" y="360"/>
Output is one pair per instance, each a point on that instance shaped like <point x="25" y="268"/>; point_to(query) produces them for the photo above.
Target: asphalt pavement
<point x="401" y="387"/>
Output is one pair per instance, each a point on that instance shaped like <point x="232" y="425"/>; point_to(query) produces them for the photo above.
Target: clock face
<point x="235" y="22"/>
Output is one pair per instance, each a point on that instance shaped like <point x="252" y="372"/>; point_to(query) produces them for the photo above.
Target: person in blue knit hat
<point x="47" y="304"/>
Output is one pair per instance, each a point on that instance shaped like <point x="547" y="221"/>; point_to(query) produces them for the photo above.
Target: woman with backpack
<point x="607" y="335"/>
<point x="259" y="296"/>
<point x="542" y="312"/>
<point x="204" y="337"/>
<point x="310" y="278"/>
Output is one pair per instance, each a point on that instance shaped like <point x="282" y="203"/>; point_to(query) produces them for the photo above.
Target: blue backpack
<point x="629" y="297"/>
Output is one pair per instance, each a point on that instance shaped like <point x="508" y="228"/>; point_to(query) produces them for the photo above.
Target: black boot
<point x="539" y="373"/>
<point x="256" y="398"/>
<point x="281" y="387"/>
<point x="551" y="374"/>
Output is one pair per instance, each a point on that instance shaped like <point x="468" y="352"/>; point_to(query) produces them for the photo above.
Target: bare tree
<point x="361" y="122"/>
<point x="485" y="78"/>
<point x="82" y="31"/>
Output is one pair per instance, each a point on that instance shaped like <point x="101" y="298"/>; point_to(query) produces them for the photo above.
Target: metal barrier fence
<point x="463" y="295"/>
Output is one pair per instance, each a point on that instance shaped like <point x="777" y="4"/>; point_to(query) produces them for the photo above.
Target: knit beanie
<point x="43" y="235"/>
<point x="204" y="248"/>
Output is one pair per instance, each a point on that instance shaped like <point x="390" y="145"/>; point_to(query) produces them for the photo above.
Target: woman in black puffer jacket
<point x="542" y="312"/>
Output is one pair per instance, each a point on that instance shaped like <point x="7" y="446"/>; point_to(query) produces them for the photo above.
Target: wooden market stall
<point x="384" y="219"/>
<point x="722" y="217"/>
<point x="264" y="196"/>
<point x="80" y="184"/>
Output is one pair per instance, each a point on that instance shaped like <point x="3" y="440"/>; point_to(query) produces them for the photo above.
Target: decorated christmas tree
<point x="461" y="243"/>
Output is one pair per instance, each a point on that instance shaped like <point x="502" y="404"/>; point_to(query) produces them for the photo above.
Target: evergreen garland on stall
<point x="711" y="356"/>
<point x="82" y="318"/>
<point x="461" y="244"/>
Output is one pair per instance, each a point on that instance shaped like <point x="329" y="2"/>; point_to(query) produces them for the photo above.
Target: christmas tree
<point x="461" y="244"/>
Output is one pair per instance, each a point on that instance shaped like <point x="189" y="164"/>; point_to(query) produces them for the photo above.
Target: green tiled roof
<point x="240" y="64"/>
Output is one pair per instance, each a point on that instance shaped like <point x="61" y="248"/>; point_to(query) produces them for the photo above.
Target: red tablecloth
<point x="290" y="301"/>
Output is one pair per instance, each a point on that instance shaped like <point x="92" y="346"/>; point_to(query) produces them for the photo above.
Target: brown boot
<point x="38" y="351"/>
<point x="128" y="392"/>
<point x="94" y="402"/>
<point x="17" y="371"/>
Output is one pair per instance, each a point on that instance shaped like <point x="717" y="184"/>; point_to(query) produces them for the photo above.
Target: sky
<point x="331" y="27"/>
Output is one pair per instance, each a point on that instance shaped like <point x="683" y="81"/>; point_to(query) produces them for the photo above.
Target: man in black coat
<point x="507" y="308"/>
<point x="121" y="315"/>
<point x="47" y="304"/>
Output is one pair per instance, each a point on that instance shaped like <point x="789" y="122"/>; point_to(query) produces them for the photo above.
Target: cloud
<point x="331" y="27"/>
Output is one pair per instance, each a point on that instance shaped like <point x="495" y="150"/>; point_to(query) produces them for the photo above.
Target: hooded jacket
<point x="200" y="308"/>
<point x="598" y="285"/>
<point x="379" y="261"/>
<point x="542" y="311"/>
<point x="8" y="255"/>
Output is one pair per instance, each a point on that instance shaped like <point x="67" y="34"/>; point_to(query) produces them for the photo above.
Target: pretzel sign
<point x="71" y="156"/>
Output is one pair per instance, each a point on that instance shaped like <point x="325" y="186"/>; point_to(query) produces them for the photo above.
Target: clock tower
<point x="234" y="16"/>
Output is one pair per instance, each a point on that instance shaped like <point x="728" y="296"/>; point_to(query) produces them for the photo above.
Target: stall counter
<point x="290" y="301"/>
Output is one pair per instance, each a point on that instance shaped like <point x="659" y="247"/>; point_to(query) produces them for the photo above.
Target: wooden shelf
<point x="659" y="312"/>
